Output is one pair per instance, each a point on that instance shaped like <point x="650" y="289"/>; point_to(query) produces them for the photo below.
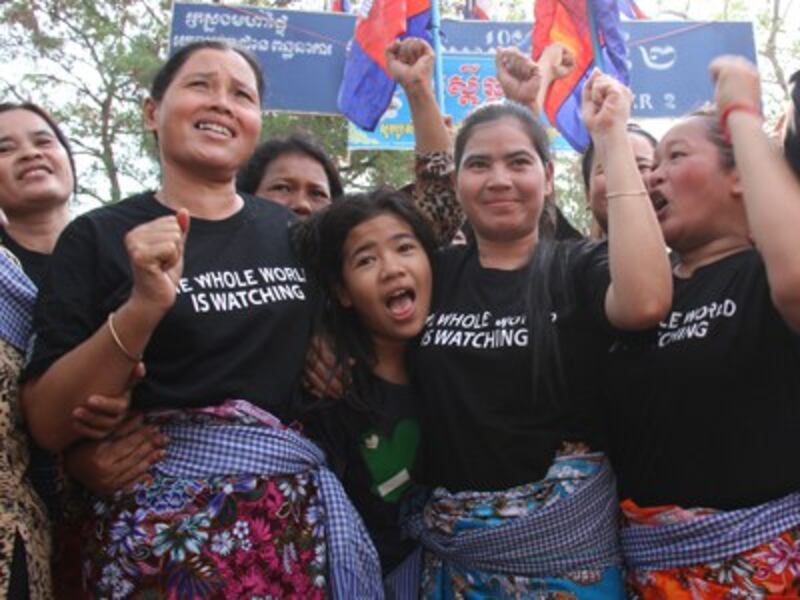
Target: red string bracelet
<point x="733" y="107"/>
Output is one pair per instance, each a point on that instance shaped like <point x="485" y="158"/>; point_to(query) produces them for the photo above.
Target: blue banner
<point x="302" y="54"/>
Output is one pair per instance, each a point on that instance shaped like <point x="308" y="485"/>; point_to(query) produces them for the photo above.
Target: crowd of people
<point x="249" y="383"/>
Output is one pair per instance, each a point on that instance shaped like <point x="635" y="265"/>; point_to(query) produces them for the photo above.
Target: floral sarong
<point x="241" y="507"/>
<point x="689" y="554"/>
<point x="555" y="538"/>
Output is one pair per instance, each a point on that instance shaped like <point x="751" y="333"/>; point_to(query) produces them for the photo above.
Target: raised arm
<point x="525" y="81"/>
<point x="640" y="293"/>
<point x="103" y="363"/>
<point x="771" y="191"/>
<point x="410" y="63"/>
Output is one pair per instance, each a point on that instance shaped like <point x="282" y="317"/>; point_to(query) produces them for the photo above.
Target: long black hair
<point x="549" y="284"/>
<point x="319" y="244"/>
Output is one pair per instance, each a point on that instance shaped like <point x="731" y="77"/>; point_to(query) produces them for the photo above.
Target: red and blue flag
<point x="341" y="6"/>
<point x="631" y="10"/>
<point x="366" y="89"/>
<point x="591" y="31"/>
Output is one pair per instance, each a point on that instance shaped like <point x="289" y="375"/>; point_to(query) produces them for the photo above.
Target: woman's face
<point x="298" y="182"/>
<point x="643" y="153"/>
<point x="35" y="172"/>
<point x="210" y="116"/>
<point x="694" y="197"/>
<point x="502" y="181"/>
<point x="386" y="278"/>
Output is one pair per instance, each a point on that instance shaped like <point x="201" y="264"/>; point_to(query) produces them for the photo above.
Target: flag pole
<point x="599" y="60"/>
<point x="438" y="71"/>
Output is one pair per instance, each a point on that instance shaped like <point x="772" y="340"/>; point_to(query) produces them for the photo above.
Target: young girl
<point x="371" y="253"/>
<point x="220" y="313"/>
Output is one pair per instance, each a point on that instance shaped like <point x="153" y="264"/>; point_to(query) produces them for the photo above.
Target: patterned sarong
<point x="555" y="538"/>
<point x="241" y="507"/>
<point x="687" y="554"/>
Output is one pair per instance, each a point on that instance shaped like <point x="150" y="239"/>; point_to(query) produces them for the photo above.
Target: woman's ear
<point x="149" y="109"/>
<point x="549" y="178"/>
<point x="343" y="296"/>
<point x="737" y="189"/>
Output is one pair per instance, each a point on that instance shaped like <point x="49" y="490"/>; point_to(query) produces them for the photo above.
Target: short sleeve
<point x="435" y="194"/>
<point x="65" y="313"/>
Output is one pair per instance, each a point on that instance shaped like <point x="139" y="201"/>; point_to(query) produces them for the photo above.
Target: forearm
<point x="97" y="366"/>
<point x="640" y="293"/>
<point x="772" y="202"/>
<point x="430" y="132"/>
<point x="435" y="194"/>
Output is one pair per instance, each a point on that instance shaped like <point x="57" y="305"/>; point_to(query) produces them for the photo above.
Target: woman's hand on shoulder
<point x="410" y="62"/>
<point x="111" y="465"/>
<point x="605" y="104"/>
<point x="155" y="250"/>
<point x="324" y="376"/>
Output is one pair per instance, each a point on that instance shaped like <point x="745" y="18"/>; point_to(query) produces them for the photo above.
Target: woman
<point x="705" y="405"/>
<point x="221" y="316"/>
<point x="371" y="254"/>
<point x="594" y="180"/>
<point x="25" y="540"/>
<point x="293" y="171"/>
<point x="38" y="178"/>
<point x="493" y="434"/>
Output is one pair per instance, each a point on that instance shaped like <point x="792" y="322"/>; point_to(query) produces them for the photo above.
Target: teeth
<point x="215" y="128"/>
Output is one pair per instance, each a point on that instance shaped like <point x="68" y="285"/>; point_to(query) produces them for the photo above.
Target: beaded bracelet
<point x="128" y="354"/>
<point x="733" y="107"/>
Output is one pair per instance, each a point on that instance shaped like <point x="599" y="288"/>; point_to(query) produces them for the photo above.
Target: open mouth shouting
<point x="401" y="303"/>
<point x="660" y="203"/>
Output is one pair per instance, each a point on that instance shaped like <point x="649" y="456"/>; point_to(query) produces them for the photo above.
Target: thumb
<point x="136" y="374"/>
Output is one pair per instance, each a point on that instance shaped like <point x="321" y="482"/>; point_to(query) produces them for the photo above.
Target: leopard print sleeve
<point x="435" y="194"/>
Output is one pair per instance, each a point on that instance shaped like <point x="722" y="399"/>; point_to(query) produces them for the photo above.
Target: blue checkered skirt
<point x="557" y="534"/>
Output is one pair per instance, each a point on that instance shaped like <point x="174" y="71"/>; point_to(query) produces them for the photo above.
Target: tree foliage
<point x="90" y="63"/>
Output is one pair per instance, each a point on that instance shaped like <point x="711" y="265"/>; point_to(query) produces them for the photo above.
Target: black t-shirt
<point x="705" y="410"/>
<point x="484" y="428"/>
<point x="239" y="327"/>
<point x="33" y="263"/>
<point x="374" y="456"/>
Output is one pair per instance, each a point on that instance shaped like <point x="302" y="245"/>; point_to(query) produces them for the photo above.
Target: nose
<point x="301" y="205"/>
<point x="654" y="177"/>
<point x="498" y="177"/>
<point x="221" y="101"/>
<point x="391" y="266"/>
<point x="30" y="151"/>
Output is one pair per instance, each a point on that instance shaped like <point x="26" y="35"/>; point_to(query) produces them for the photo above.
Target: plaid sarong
<point x="577" y="532"/>
<point x="17" y="297"/>
<point x="710" y="538"/>
<point x="256" y="444"/>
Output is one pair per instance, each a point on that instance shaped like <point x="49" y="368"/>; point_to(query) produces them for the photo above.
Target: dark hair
<point x="166" y="74"/>
<point x="319" y="244"/>
<point x="791" y="140"/>
<point x="587" y="158"/>
<point x="251" y="174"/>
<point x="709" y="116"/>
<point x="45" y="116"/>
<point x="493" y="112"/>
